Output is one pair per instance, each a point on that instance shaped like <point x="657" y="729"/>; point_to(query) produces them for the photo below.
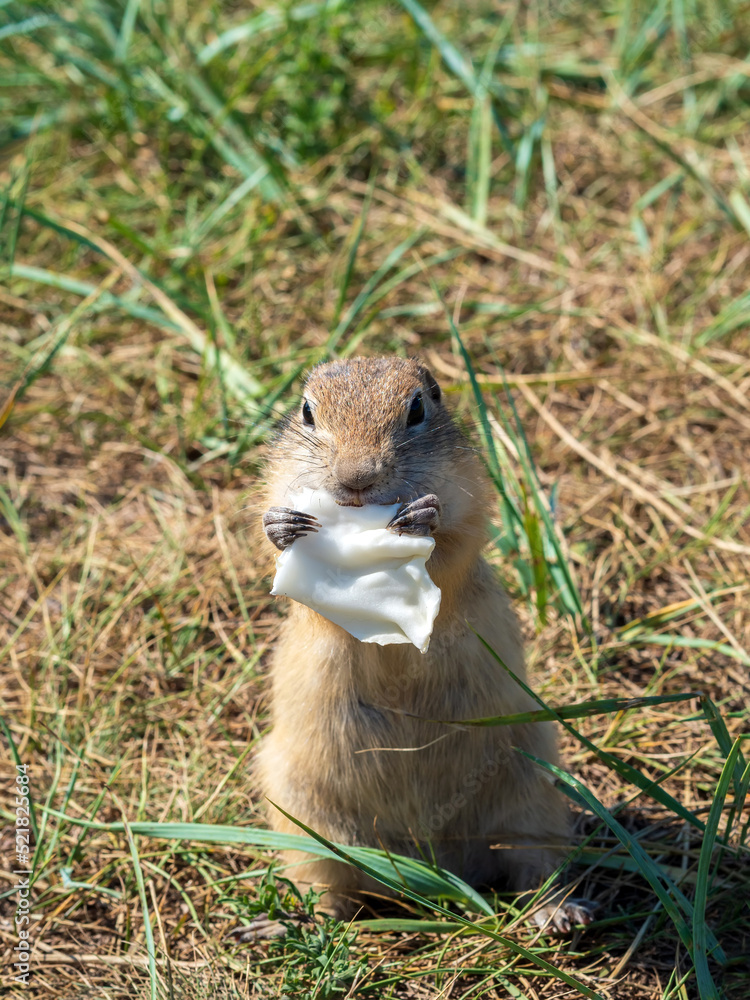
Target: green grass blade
<point x="17" y="761"/>
<point x="669" y="613"/>
<point x="538" y="562"/>
<point x="699" y="174"/>
<point x="580" y="710"/>
<point x="11" y="515"/>
<point x="243" y="385"/>
<point x="259" y="424"/>
<point x="345" y="854"/>
<point x="480" y="130"/>
<point x="568" y="590"/>
<point x="549" y="173"/>
<point x="512" y="517"/>
<point x="706" y="986"/>
<point x="655" y="192"/>
<point x="93" y="809"/>
<point x="51" y="792"/>
<point x="15" y="226"/>
<point x="41" y="361"/>
<point x="479" y="158"/>
<point x="422" y="877"/>
<point x="147" y="928"/>
<point x="28" y="25"/>
<point x="524" y="159"/>
<point x="640" y="48"/>
<point x="352" y="255"/>
<point x="225" y="207"/>
<point x="269" y="20"/>
<point x="741" y="208"/>
<point x="688" y="642"/>
<point x="50" y="849"/>
<point x="400" y="278"/>
<point x="363" y="297"/>
<point x="734" y="315"/>
<point x="220" y="121"/>
<point x="107" y="300"/>
<point x="672" y="899"/>
<point x="397" y="925"/>
<point x="739" y="805"/>
<point x="724" y="740"/>
<point x="625" y="770"/>
<point x="5" y="205"/>
<point x="126" y="30"/>
<point x="57" y="227"/>
<point x="458" y="64"/>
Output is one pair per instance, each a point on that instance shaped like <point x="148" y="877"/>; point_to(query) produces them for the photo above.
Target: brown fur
<point x="343" y="756"/>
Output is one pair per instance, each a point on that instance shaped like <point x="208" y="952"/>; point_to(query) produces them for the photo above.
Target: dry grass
<point x="135" y="619"/>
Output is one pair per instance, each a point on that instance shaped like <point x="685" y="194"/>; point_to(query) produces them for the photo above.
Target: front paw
<point x="283" y="525"/>
<point x="560" y="915"/>
<point x="263" y="928"/>
<point x="420" y="517"/>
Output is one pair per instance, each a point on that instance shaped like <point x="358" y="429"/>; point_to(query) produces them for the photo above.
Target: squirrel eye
<point x="416" y="411"/>
<point x="307" y="414"/>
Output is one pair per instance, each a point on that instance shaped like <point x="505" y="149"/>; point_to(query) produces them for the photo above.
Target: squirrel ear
<point x="432" y="387"/>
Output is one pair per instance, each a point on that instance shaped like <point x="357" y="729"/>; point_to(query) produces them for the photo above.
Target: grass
<point x="551" y="204"/>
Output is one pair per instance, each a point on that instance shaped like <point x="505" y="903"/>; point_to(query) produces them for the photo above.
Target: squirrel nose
<point x="358" y="474"/>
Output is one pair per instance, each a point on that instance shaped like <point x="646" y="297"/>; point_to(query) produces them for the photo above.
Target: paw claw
<point x="420" y="517"/>
<point x="283" y="525"/>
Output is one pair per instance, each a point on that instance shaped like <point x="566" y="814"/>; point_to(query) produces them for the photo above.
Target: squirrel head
<point x="370" y="430"/>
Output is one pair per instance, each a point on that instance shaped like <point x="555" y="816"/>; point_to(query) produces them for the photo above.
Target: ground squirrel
<point x="376" y="431"/>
